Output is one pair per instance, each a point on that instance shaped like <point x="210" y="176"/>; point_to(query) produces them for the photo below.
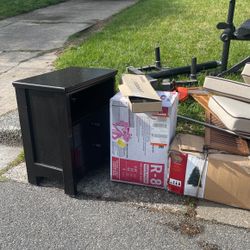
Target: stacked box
<point x="140" y="141"/>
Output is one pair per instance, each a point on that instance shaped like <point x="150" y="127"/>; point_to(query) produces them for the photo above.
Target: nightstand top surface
<point x="66" y="80"/>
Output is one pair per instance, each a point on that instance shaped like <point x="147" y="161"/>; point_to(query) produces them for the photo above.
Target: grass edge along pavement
<point x="183" y="29"/>
<point x="19" y="159"/>
<point x="16" y="7"/>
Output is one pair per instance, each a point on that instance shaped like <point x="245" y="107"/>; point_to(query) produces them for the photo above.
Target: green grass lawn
<point x="10" y="8"/>
<point x="183" y="29"/>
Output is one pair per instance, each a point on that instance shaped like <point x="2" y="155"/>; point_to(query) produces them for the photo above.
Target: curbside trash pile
<point x="144" y="149"/>
<point x="65" y="132"/>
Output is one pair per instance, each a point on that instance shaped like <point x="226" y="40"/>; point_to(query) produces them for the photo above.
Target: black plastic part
<point x="243" y="32"/>
<point x="64" y="117"/>
<point x="183" y="70"/>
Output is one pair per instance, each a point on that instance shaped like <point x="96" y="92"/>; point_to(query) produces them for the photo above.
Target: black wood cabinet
<point x="64" y="117"/>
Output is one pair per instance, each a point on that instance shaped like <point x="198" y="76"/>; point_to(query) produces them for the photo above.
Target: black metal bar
<point x="225" y="55"/>
<point x="183" y="70"/>
<point x="157" y="57"/>
<point x="193" y="68"/>
<point x="235" y="68"/>
<point x="134" y="70"/>
<point x="212" y="126"/>
<point x="227" y="35"/>
<point x="230" y="16"/>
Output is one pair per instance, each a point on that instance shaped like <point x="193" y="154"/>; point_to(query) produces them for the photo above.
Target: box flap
<point x="138" y="86"/>
<point x="141" y="95"/>
<point x="188" y="143"/>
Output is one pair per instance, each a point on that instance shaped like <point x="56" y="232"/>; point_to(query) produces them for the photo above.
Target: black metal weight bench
<point x="231" y="33"/>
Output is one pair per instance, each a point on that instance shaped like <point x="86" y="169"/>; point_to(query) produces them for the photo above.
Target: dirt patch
<point x="191" y="212"/>
<point x="190" y="229"/>
<point x="208" y="246"/>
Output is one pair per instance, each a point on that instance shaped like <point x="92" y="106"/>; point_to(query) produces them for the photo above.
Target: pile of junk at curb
<point x="72" y="120"/>
<point x="146" y="150"/>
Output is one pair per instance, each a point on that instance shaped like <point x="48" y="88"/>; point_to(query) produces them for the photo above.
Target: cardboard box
<point x="141" y="95"/>
<point x="140" y="141"/>
<point x="228" y="88"/>
<point x="228" y="180"/>
<point x="246" y="73"/>
<point x="222" y="178"/>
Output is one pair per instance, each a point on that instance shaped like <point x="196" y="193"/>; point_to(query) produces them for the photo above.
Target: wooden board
<point x="223" y="141"/>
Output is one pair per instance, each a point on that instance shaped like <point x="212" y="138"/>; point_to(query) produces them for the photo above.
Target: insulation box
<point x="140" y="141"/>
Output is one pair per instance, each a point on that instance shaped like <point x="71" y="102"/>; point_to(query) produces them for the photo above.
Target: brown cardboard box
<point x="228" y="180"/>
<point x="246" y="73"/>
<point x="222" y="178"/>
<point x="141" y="95"/>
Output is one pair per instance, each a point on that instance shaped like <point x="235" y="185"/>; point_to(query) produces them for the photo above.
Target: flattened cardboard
<point x="246" y="73"/>
<point x="142" y="97"/>
<point x="227" y="180"/>
<point x="188" y="143"/>
<point x="224" y="179"/>
<point x="191" y="143"/>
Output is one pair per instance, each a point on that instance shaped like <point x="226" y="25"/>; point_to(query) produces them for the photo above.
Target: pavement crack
<point x="27" y="50"/>
<point x="39" y="54"/>
<point x="59" y="22"/>
<point x="8" y="24"/>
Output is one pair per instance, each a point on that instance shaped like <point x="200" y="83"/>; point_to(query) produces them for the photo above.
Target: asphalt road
<point x="45" y="218"/>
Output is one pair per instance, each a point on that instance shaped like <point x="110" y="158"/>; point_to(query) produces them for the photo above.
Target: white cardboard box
<point x="140" y="141"/>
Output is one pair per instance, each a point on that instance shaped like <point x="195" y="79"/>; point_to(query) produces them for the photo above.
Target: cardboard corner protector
<point x="246" y="73"/>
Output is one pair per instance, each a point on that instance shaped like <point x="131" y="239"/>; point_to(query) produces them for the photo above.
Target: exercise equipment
<point x="158" y="72"/>
<point x="231" y="33"/>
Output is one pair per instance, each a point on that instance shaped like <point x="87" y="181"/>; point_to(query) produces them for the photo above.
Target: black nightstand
<point x="64" y="117"/>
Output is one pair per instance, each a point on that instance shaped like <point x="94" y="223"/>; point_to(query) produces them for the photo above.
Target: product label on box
<point x="195" y="176"/>
<point x="187" y="174"/>
<point x="159" y="131"/>
<point x="138" y="172"/>
<point x="177" y="171"/>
